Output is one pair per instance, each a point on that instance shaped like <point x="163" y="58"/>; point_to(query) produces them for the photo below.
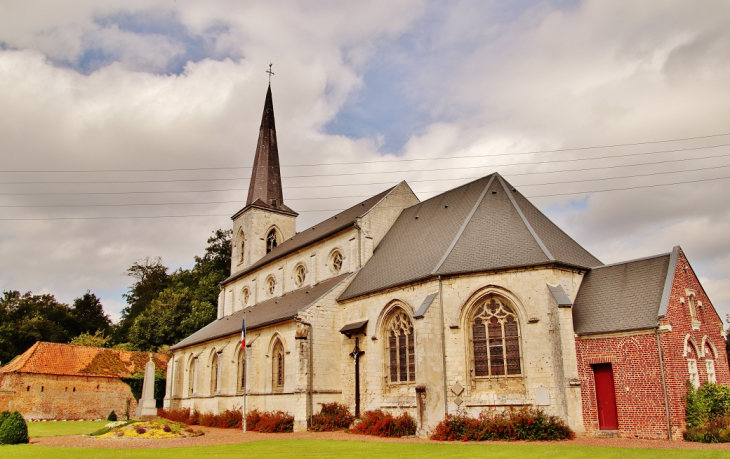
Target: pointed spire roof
<point x="265" y="186"/>
<point x="481" y="226"/>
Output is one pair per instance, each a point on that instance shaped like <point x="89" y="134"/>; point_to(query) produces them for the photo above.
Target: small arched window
<point x="495" y="339"/>
<point x="710" y="363"/>
<point x="300" y="275"/>
<point x="271" y="240"/>
<point x="694" y="375"/>
<point x="241" y="370"/>
<point x="336" y="262"/>
<point x="400" y="347"/>
<point x="278" y="366"/>
<point x="192" y="371"/>
<point x="241" y="247"/>
<point x="215" y="375"/>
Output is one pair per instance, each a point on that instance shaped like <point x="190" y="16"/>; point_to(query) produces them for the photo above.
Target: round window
<point x="336" y="262"/>
<point x="300" y="274"/>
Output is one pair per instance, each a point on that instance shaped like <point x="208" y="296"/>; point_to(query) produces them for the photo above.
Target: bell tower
<point x="266" y="221"/>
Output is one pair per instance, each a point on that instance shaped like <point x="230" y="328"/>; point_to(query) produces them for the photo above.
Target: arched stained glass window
<point x="401" y="347"/>
<point x="192" y="373"/>
<point x="495" y="339"/>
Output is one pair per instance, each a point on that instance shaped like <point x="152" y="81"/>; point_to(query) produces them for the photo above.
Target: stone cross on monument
<point x="147" y="404"/>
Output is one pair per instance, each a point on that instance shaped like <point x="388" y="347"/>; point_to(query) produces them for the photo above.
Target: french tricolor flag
<point x="243" y="333"/>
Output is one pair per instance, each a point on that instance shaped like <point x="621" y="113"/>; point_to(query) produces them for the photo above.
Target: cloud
<point x="157" y="85"/>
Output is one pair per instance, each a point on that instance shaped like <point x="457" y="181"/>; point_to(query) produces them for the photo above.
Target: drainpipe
<point x="664" y="383"/>
<point x="443" y="346"/>
<point x="310" y="338"/>
<point x="359" y="243"/>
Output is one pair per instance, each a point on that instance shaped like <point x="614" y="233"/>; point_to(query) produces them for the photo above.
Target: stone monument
<point x="147" y="404"/>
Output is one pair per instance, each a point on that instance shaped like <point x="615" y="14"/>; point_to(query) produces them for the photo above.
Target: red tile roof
<point x="72" y="360"/>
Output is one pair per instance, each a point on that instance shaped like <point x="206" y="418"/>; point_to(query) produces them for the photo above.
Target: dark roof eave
<point x="223" y="335"/>
<point x="256" y="266"/>
<point x="459" y="273"/>
<point x="270" y="209"/>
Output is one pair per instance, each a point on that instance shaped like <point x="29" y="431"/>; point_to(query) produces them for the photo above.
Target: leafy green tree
<point x="152" y="278"/>
<point x="89" y="314"/>
<point x="96" y="340"/>
<point x="27" y="318"/>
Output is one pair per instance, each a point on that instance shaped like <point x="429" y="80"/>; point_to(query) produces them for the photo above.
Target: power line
<point x="182" y="169"/>
<point x="369" y="173"/>
<point x="564" y="182"/>
<point x="339" y="210"/>
<point x="651" y="163"/>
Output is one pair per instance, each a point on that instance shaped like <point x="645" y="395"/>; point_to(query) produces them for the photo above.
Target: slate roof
<point x="624" y="296"/>
<point x="480" y="226"/>
<point x="72" y="360"/>
<point x="280" y="309"/>
<point x="321" y="230"/>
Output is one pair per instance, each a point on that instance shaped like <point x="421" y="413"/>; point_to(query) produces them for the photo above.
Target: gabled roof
<point x="321" y="230"/>
<point x="624" y="296"/>
<point x="483" y="225"/>
<point x="72" y="360"/>
<point x="275" y="310"/>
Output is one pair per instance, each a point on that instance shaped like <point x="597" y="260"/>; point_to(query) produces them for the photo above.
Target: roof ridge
<point x="464" y="224"/>
<point x="527" y="224"/>
<point x="385" y="194"/>
<point x="649" y="257"/>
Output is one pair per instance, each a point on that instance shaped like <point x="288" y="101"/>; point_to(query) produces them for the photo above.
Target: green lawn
<point x="54" y="428"/>
<point x="301" y="449"/>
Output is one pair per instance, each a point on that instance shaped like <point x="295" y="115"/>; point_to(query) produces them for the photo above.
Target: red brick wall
<point x="53" y="397"/>
<point x="636" y="369"/>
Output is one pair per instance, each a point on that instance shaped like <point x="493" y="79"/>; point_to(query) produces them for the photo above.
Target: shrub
<point x="523" y="424"/>
<point x="167" y="429"/>
<point x="275" y="421"/>
<point x="383" y="424"/>
<point x="13" y="429"/>
<point x="3" y="416"/>
<point x="333" y="416"/>
<point x="707" y="413"/>
<point x="141" y="430"/>
<point x="112" y="416"/>
<point x="252" y="419"/>
<point x="176" y="415"/>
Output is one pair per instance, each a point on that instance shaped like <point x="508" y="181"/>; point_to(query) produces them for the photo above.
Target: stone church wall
<point x="39" y="396"/>
<point x="547" y="346"/>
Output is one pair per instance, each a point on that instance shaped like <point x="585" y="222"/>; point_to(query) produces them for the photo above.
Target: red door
<point x="605" y="397"/>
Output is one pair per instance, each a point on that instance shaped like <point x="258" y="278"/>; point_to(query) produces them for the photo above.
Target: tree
<point x="96" y="340"/>
<point x="89" y="314"/>
<point x="27" y="318"/>
<point x="152" y="278"/>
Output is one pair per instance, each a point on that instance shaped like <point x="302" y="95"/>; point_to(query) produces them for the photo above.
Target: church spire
<point x="265" y="187"/>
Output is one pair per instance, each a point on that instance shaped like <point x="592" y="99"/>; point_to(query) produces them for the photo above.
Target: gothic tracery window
<point x="401" y="348"/>
<point x="495" y="339"/>
<point x="694" y="375"/>
<point x="278" y="366"/>
<point x="710" y="363"/>
<point x="242" y="245"/>
<point x="300" y="274"/>
<point x="336" y="262"/>
<point x="271" y="241"/>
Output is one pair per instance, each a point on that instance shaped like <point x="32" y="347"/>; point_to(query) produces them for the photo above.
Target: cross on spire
<point x="270" y="72"/>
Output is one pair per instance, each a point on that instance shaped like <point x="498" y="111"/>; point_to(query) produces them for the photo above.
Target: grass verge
<point x="302" y="449"/>
<point x="55" y="428"/>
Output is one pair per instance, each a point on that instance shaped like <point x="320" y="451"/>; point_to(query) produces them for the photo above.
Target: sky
<point x="128" y="129"/>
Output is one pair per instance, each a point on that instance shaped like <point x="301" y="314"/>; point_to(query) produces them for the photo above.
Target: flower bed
<point x="157" y="429"/>
<point x="384" y="424"/>
<point x="523" y="424"/>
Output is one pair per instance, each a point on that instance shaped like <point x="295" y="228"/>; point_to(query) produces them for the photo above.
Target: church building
<point x="470" y="301"/>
